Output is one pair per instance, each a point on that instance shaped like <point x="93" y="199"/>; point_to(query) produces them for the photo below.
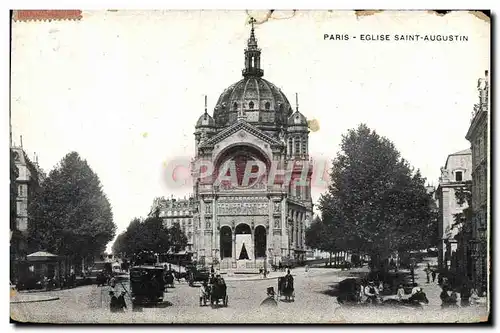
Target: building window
<point x="297" y="145"/>
<point x="458" y="176"/>
<point x="268" y="105"/>
<point x="250" y="105"/>
<point x="20" y="191"/>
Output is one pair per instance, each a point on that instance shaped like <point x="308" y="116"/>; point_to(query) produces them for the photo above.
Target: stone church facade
<point x="252" y="174"/>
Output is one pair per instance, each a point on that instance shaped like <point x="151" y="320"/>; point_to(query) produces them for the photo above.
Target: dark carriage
<point x="218" y="292"/>
<point x="348" y="291"/>
<point x="197" y="274"/>
<point x="285" y="288"/>
<point x="147" y="285"/>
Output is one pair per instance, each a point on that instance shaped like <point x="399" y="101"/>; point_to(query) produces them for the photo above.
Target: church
<point x="253" y="216"/>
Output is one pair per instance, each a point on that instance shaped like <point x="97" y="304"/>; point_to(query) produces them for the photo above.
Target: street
<point x="89" y="304"/>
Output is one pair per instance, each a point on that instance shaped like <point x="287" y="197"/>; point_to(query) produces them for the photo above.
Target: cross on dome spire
<point x="252" y="54"/>
<point x="252" y="41"/>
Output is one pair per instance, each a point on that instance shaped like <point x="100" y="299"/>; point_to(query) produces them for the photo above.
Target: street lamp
<point x="412" y="265"/>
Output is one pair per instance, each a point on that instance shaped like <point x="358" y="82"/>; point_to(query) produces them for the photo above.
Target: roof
<point x="41" y="254"/>
<point x="467" y="151"/>
<point x="205" y="120"/>
<point x="297" y="119"/>
<point x="252" y="94"/>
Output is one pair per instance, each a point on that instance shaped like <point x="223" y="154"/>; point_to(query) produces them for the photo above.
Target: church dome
<point x="253" y="98"/>
<point x="297" y="119"/>
<point x="205" y="120"/>
<point x="258" y="100"/>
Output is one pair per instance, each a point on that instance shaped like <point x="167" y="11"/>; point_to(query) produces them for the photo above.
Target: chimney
<point x="21" y="141"/>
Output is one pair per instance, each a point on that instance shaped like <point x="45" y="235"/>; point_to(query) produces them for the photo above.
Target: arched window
<point x="297" y="145"/>
<point x="250" y="105"/>
<point x="268" y="105"/>
<point x="235" y="106"/>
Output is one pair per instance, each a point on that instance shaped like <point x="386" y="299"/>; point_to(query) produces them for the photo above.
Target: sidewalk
<point x="16" y="297"/>
<point x="433" y="289"/>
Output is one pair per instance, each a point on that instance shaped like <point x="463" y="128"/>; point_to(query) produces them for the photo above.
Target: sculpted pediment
<point x="241" y="131"/>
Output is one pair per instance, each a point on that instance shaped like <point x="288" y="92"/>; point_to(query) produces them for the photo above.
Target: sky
<point x="125" y="88"/>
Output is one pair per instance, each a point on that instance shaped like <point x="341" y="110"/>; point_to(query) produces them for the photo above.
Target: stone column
<point x="234" y="255"/>
<point x="215" y="231"/>
<point x="270" y="227"/>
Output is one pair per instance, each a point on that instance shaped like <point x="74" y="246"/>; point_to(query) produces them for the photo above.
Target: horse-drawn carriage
<point x="215" y="292"/>
<point x="147" y="285"/>
<point x="196" y="274"/>
<point x="285" y="288"/>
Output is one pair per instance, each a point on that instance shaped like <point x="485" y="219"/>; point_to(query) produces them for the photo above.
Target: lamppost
<point x="412" y="266"/>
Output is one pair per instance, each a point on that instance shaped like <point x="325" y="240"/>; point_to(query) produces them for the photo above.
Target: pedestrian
<point x="444" y="297"/>
<point x="440" y="279"/>
<point x="400" y="293"/>
<point x="269" y="301"/>
<point x="433" y="276"/>
<point x="465" y="295"/>
<point x="415" y="289"/>
<point x="121" y="301"/>
<point x="371" y="292"/>
<point x="114" y="305"/>
<point x="204" y="293"/>
<point x="474" y="297"/>
<point x="427" y="272"/>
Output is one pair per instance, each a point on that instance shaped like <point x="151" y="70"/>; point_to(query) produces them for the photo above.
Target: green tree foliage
<point x="376" y="202"/>
<point x="71" y="215"/>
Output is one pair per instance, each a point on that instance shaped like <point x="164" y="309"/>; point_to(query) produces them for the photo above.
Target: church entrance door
<point x="244" y="244"/>
<point x="226" y="242"/>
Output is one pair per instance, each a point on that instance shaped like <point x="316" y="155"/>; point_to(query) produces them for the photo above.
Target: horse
<point x="218" y="291"/>
<point x="285" y="287"/>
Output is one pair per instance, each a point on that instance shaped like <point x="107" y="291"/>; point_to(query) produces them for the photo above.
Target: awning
<point x="42" y="256"/>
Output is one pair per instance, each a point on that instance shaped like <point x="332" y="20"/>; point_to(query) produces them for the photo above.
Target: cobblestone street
<point x="89" y="304"/>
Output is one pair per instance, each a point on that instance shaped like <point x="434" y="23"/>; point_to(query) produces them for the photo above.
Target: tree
<point x="463" y="196"/>
<point x="71" y="215"/>
<point x="119" y="245"/>
<point x="376" y="200"/>
<point x="177" y="238"/>
<point x="322" y="236"/>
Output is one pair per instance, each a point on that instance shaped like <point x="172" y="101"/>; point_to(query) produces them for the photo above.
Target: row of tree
<point x="70" y="215"/>
<point x="376" y="203"/>
<point x="149" y="234"/>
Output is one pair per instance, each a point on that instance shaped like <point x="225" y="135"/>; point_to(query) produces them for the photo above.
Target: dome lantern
<point x="252" y="55"/>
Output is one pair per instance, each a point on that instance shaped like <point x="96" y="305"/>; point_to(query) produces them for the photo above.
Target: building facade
<point x="255" y="202"/>
<point x="454" y="176"/>
<point x="478" y="136"/>
<point x="177" y="211"/>
<point x="29" y="178"/>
